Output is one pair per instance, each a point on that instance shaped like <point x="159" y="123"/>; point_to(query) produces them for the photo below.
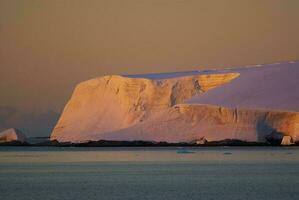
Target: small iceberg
<point x="12" y="135"/>
<point x="184" y="151"/>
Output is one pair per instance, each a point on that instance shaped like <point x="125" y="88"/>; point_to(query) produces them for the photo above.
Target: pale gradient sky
<point x="47" y="46"/>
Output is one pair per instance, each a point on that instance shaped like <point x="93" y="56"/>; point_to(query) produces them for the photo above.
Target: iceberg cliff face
<point x="111" y="103"/>
<point x="185" y="123"/>
<point x="178" y="107"/>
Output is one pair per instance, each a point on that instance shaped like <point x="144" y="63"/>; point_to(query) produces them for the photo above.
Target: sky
<point x="48" y="46"/>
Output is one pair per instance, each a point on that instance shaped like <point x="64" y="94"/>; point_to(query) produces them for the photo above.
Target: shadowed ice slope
<point x="273" y="86"/>
<point x="251" y="103"/>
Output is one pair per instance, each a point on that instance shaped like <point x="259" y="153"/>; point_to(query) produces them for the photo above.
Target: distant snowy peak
<point x="32" y="123"/>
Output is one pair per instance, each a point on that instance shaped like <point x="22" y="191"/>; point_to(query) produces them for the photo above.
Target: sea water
<point x="46" y="173"/>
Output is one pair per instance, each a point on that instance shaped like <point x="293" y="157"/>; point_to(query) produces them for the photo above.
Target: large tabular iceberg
<point x="255" y="103"/>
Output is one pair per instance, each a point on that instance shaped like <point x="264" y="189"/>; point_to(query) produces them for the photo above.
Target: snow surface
<point x="273" y="86"/>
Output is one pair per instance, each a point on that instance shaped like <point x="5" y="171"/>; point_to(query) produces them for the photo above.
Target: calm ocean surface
<point x="45" y="173"/>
